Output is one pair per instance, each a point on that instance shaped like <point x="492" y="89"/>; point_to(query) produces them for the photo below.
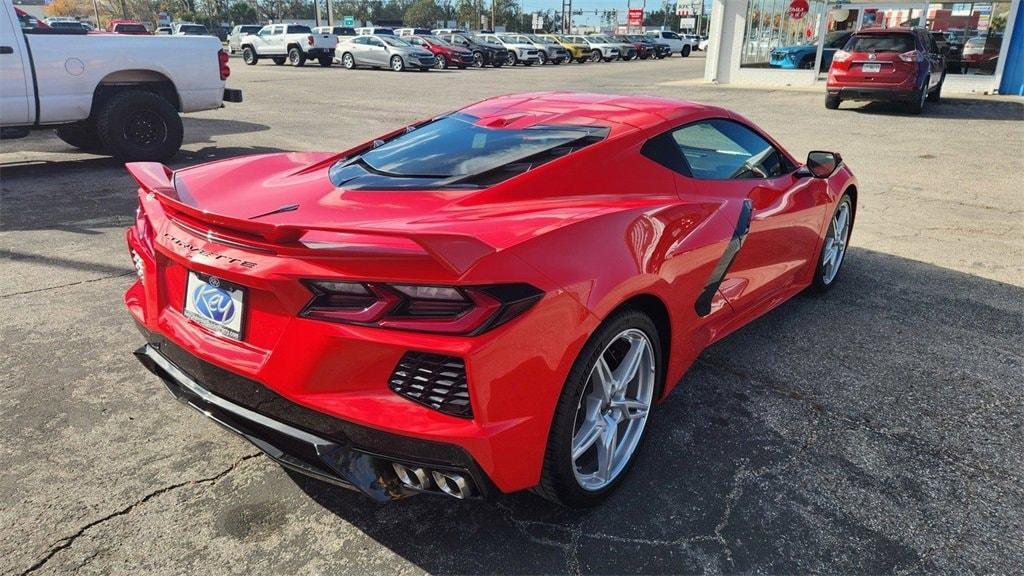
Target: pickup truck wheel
<point x="296" y="57"/>
<point x="325" y="61"/>
<point x="685" y="52"/>
<point x="139" y="126"/>
<point x="249" y="56"/>
<point x="279" y="61"/>
<point x="397" y="64"/>
<point x="82" y="135"/>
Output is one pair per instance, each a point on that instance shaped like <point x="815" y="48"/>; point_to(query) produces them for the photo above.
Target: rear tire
<point x="296" y="57"/>
<point x="936" y="94"/>
<point x="82" y="135"/>
<point x="561" y="479"/>
<point x="139" y="126"/>
<point x="832" y="101"/>
<point x="325" y="61"/>
<point x="249" y="56"/>
<point x="279" y="61"/>
<point x="685" y="52"/>
<point x="917" y="105"/>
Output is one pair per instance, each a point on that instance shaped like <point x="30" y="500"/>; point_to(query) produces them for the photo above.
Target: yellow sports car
<point x="578" y="52"/>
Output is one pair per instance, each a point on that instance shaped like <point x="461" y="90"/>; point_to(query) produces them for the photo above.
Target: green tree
<point x="241" y="12"/>
<point x="422" y="13"/>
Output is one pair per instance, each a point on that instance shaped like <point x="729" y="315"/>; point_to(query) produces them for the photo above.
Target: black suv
<point x="484" y="53"/>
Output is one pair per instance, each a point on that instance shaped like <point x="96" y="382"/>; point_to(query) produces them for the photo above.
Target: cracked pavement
<point x="874" y="430"/>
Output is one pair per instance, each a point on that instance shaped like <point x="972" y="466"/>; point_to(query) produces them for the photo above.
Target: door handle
<point x="6" y="50"/>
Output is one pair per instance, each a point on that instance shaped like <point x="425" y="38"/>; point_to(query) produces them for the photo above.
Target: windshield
<point x="517" y="39"/>
<point x="394" y="41"/>
<point x="435" y="41"/>
<point x="600" y="39"/>
<point x="480" y="39"/>
<point x="197" y="29"/>
<point x="456" y="146"/>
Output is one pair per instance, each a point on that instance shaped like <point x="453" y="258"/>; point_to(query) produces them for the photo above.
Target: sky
<point x="591" y="5"/>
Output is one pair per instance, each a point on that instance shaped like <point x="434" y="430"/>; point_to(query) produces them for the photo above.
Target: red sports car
<point x="487" y="301"/>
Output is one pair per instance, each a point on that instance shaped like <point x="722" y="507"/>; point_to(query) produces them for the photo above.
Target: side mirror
<point x="821" y="164"/>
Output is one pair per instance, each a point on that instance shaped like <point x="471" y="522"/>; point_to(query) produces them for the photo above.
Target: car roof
<point x="620" y="113"/>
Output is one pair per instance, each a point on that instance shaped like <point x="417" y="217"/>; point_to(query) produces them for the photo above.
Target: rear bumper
<point x="873" y="93"/>
<point x="341" y="453"/>
<point x="318" y="52"/>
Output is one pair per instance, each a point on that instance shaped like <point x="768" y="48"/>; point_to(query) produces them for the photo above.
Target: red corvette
<point x="486" y="301"/>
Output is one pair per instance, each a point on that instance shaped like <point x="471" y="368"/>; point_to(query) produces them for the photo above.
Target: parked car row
<point x="421" y="49"/>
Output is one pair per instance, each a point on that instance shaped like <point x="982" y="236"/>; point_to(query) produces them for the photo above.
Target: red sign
<point x="636" y="16"/>
<point x="798" y="9"/>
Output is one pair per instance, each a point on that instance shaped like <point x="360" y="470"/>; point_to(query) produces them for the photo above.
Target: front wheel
<point x="441" y="63"/>
<point x="478" y="60"/>
<point x="296" y="57"/>
<point x="544" y="58"/>
<point x="279" y="61"/>
<point x="602" y="412"/>
<point x="833" y="249"/>
<point x="512" y="60"/>
<point x="685" y="52"/>
<point x="595" y="56"/>
<point x="249" y="56"/>
<point x="397" y="64"/>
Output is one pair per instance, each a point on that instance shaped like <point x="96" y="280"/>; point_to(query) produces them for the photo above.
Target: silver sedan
<point x="380" y="51"/>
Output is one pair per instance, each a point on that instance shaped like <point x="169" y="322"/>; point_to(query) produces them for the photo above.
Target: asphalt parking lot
<point x="877" y="429"/>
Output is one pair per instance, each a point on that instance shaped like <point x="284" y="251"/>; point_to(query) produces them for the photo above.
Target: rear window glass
<point x="456" y="146"/>
<point x="250" y="29"/>
<point x="298" y="29"/>
<point x="196" y="29"/>
<point x="881" y="43"/>
<point x="130" y="28"/>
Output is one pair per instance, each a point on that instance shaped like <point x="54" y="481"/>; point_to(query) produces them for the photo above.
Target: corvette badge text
<point x="192" y="250"/>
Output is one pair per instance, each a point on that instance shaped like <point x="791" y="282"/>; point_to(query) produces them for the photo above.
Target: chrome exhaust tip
<point x="415" y="478"/>
<point x="452" y="484"/>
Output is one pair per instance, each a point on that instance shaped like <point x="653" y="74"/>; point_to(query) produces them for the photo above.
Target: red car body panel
<point x="591" y="230"/>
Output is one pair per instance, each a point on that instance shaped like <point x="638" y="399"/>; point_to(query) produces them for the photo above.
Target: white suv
<point x="677" y="44"/>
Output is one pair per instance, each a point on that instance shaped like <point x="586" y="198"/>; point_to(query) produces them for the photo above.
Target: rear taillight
<point x="309" y="40"/>
<point x="912" y="56"/>
<point x="225" y="70"/>
<point x="440" y="309"/>
<point x="841" y="56"/>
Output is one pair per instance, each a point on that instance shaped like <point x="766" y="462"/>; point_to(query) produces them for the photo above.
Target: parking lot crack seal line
<point x="89" y="281"/>
<point x="67" y="541"/>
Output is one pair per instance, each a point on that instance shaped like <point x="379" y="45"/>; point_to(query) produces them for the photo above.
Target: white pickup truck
<point x="106" y="93"/>
<point x="293" y="43"/>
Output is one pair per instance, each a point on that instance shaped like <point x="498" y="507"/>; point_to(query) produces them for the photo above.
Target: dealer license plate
<point x="872" y="68"/>
<point x="215" y="304"/>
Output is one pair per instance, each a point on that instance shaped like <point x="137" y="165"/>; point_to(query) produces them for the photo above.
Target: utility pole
<point x="493" y="2"/>
<point x="96" y="9"/>
<point x="566" y="16"/>
<point x="330" y="12"/>
<point x="317" y="4"/>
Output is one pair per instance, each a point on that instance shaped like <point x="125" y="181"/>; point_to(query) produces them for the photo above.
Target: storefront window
<point x="782" y="33"/>
<point x="970" y="33"/>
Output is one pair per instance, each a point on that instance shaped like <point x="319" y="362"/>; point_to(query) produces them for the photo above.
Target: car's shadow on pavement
<point x="839" y="433"/>
<point x="947" y="108"/>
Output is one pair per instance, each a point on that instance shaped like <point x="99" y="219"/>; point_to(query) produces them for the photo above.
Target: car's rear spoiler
<point x="456" y="252"/>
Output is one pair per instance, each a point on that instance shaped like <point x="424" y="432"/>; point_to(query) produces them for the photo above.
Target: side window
<point x="716" y="149"/>
<point x="416" y="42"/>
<point x="375" y="42"/>
<point x="725" y="150"/>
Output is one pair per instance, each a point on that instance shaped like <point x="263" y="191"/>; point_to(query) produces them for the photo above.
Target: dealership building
<point x="791" y="42"/>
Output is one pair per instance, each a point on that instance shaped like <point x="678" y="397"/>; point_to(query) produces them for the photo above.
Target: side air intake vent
<point x="435" y="381"/>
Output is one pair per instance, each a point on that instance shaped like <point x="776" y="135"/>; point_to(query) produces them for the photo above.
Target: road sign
<point x="636" y="17"/>
<point x="349" y="21"/>
<point x="688" y="23"/>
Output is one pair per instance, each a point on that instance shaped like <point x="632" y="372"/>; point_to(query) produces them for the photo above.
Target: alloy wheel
<point x="612" y="412"/>
<point x="348" y="61"/>
<point x="835" y="243"/>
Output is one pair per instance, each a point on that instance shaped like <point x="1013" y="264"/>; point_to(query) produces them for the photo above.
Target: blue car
<point x="802" y="55"/>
